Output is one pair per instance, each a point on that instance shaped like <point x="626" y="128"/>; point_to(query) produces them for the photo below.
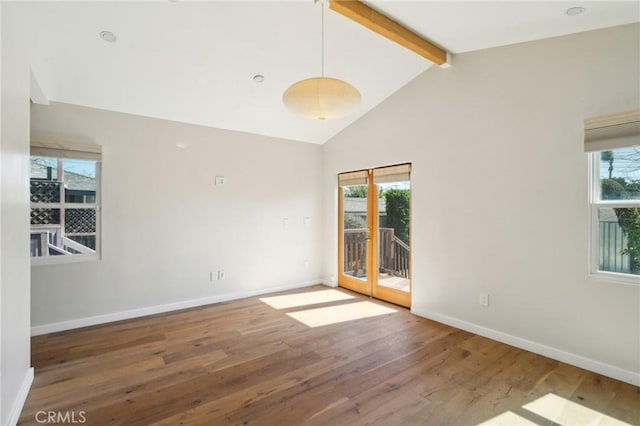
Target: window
<point x="614" y="146"/>
<point x="64" y="191"/>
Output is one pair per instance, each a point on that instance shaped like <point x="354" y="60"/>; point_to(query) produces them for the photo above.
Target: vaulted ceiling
<point x="195" y="61"/>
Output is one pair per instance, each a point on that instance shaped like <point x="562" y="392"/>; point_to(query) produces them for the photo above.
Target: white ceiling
<point x="193" y="61"/>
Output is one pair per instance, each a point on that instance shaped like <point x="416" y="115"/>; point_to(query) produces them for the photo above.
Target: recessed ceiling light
<point x="108" y="36"/>
<point x="575" y="11"/>
<point x="258" y="78"/>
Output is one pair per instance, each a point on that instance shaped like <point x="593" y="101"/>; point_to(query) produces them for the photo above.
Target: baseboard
<point x="328" y="283"/>
<point x="548" y="351"/>
<point x="159" y="309"/>
<point x="21" y="398"/>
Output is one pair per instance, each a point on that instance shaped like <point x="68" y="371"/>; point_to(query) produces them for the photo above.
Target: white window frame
<point x="61" y="151"/>
<point x="607" y="133"/>
<point x="595" y="203"/>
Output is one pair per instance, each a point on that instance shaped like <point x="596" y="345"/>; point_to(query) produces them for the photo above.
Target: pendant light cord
<point x="322" y="32"/>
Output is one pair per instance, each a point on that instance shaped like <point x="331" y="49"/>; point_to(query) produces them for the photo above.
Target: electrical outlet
<point x="220" y="180"/>
<point x="221" y="274"/>
<point x="483" y="299"/>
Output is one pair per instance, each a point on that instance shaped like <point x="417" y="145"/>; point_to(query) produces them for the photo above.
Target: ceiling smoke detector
<point x="108" y="36"/>
<point x="575" y="11"/>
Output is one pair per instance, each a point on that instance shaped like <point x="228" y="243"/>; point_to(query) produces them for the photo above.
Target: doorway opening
<point x="374" y="221"/>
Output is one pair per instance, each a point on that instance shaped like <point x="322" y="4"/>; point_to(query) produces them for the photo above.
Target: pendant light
<point x="322" y="98"/>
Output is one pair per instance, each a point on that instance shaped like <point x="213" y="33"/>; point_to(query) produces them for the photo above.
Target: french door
<point x="374" y="209"/>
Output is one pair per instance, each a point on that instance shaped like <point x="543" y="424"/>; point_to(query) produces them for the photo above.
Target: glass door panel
<point x="355" y="231"/>
<point x="393" y="236"/>
<point x="355" y="236"/>
<point x="374" y="226"/>
<point x="392" y="226"/>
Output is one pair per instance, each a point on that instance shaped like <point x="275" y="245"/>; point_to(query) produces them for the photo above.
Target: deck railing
<point x="48" y="240"/>
<point x="393" y="253"/>
<point x="355" y="252"/>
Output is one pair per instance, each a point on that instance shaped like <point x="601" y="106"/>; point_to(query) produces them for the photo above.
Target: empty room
<point x="320" y="212"/>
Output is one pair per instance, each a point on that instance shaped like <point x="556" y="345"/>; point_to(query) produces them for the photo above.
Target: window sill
<point x="613" y="277"/>
<point x="63" y="260"/>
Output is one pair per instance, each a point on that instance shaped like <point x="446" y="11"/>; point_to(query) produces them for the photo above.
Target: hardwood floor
<point x="245" y="362"/>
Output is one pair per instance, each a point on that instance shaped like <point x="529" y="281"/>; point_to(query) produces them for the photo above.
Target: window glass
<point x="79" y="181"/>
<point x="616" y="212"/>
<point x="64" y="211"/>
<point x="44" y="168"/>
<point x="620" y="174"/>
<point x="618" y="248"/>
<point x="356" y="230"/>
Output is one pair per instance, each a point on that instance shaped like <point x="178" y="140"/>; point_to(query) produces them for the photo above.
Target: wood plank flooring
<point x="245" y="362"/>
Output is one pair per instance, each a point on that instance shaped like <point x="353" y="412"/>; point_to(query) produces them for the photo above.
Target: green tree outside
<point x="608" y="157"/>
<point x="359" y="191"/>
<point x="397" y="209"/>
<point x="352" y="221"/>
<point x="629" y="221"/>
<point x="398" y="202"/>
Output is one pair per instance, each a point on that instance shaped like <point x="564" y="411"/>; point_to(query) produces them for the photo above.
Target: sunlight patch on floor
<point x="341" y="313"/>
<point x="564" y="412"/>
<point x="304" y="299"/>
<point x="508" y="419"/>
<point x="559" y="411"/>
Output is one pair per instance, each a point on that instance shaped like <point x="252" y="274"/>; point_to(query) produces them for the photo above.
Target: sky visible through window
<point x="396" y="185"/>
<point x="81" y="167"/>
<point x="621" y="163"/>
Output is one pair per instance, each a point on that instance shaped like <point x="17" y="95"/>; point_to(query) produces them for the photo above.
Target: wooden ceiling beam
<point x="387" y="27"/>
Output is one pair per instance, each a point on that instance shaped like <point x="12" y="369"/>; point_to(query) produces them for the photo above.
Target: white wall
<point x="166" y="226"/>
<point x="500" y="192"/>
<point x="14" y="221"/>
